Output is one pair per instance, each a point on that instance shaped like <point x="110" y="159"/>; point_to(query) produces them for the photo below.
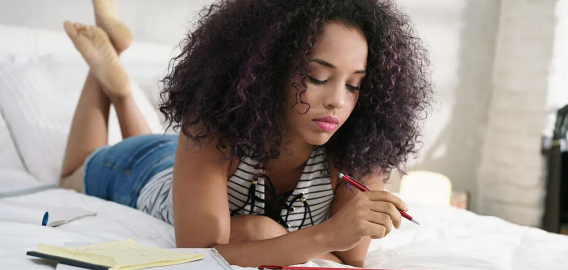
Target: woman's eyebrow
<point x="329" y="65"/>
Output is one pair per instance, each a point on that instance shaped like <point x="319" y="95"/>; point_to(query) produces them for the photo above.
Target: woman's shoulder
<point x="207" y="154"/>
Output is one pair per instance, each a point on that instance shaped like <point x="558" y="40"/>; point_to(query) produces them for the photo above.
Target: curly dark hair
<point x="231" y="77"/>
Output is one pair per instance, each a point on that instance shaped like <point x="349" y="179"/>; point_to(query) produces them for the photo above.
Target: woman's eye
<point x="314" y="81"/>
<point x="318" y="82"/>
<point x="353" y="88"/>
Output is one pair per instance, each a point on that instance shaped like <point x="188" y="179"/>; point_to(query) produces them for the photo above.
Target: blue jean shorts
<point x="119" y="172"/>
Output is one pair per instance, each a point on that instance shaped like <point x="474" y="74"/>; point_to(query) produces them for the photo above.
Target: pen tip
<point x="415" y="222"/>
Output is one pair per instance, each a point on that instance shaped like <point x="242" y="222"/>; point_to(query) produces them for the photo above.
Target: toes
<point x="75" y="30"/>
<point x="78" y="33"/>
<point x="70" y="29"/>
<point x="94" y="32"/>
<point x="80" y="26"/>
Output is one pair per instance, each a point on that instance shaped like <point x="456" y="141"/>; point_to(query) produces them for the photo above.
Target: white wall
<point x="157" y="21"/>
<point x="460" y="35"/>
<point x="530" y="83"/>
<point x="558" y="79"/>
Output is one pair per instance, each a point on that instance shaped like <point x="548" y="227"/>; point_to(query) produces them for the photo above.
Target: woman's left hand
<point x="248" y="228"/>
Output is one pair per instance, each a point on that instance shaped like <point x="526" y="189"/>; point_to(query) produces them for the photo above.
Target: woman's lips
<point x="327" y="123"/>
<point x="325" y="126"/>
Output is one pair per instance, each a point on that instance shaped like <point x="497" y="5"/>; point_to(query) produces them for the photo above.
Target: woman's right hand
<point x="371" y="213"/>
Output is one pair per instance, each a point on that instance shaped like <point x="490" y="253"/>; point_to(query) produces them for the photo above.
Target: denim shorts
<point x="119" y="172"/>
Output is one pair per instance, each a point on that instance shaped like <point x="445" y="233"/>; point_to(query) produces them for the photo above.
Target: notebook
<point x="130" y="255"/>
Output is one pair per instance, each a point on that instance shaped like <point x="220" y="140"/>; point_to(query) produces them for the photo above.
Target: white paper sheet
<point x="33" y="213"/>
<point x="18" y="214"/>
<point x="211" y="261"/>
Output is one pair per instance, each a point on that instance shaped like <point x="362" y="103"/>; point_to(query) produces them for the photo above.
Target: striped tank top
<point x="308" y="204"/>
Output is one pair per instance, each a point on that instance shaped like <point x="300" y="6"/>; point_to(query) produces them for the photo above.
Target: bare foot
<point x="94" y="44"/>
<point x="106" y="12"/>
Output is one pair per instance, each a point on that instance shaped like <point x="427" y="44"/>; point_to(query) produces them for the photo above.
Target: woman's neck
<point x="293" y="155"/>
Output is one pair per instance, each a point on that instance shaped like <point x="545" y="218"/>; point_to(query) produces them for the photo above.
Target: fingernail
<point x="405" y="207"/>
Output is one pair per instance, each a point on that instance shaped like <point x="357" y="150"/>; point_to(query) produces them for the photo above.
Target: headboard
<point x="30" y="42"/>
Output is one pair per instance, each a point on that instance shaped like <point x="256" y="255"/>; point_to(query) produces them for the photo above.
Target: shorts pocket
<point x="125" y="155"/>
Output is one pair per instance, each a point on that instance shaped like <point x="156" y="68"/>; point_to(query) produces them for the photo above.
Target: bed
<point x="449" y="238"/>
<point x="40" y="76"/>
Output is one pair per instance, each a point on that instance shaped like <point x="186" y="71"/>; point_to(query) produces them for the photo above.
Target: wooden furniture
<point x="556" y="204"/>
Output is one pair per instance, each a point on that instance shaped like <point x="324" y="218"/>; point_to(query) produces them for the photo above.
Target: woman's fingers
<point x="381" y="219"/>
<point x="386" y="197"/>
<point x="389" y="209"/>
<point x="376" y="231"/>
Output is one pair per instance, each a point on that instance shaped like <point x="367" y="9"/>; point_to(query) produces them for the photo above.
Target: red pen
<point x="362" y="187"/>
<point x="276" y="267"/>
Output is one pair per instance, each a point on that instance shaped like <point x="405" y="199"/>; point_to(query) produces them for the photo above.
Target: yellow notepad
<point x="123" y="255"/>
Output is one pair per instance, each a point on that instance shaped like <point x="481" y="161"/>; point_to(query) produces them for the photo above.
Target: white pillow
<point x="38" y="100"/>
<point x="19" y="182"/>
<point x="9" y="157"/>
<point x="147" y="77"/>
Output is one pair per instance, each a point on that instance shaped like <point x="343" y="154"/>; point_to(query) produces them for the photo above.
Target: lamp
<point x="426" y="187"/>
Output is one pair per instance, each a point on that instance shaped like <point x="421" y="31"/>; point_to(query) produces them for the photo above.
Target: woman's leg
<point x="106" y="17"/>
<point x="132" y="123"/>
<point x="89" y="130"/>
<point x="106" y="83"/>
<point x="89" y="127"/>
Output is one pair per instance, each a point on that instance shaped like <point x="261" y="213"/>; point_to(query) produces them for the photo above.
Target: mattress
<point x="449" y="238"/>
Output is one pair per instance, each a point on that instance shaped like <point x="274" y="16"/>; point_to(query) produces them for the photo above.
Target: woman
<point x="273" y="98"/>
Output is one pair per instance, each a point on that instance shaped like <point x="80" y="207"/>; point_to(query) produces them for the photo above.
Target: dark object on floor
<point x="556" y="204"/>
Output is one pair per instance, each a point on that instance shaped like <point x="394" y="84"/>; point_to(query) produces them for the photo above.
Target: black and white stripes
<point x="314" y="187"/>
<point x="156" y="196"/>
<point x="311" y="199"/>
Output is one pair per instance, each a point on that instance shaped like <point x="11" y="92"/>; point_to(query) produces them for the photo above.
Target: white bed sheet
<point x="448" y="239"/>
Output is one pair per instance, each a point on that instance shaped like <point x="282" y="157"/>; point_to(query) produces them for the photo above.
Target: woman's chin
<point x="319" y="138"/>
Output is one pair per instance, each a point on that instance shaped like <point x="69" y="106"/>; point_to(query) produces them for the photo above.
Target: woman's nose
<point x="336" y="96"/>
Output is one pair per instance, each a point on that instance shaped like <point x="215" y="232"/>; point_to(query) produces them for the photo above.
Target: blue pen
<point x="45" y="219"/>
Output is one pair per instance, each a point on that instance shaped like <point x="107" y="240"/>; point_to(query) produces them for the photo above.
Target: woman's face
<point x="337" y="67"/>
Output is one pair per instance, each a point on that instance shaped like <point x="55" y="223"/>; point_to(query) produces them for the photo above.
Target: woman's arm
<point x="356" y="219"/>
<point x="201" y="214"/>
<point x="292" y="248"/>
<point x="202" y="218"/>
<point x="248" y="228"/>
